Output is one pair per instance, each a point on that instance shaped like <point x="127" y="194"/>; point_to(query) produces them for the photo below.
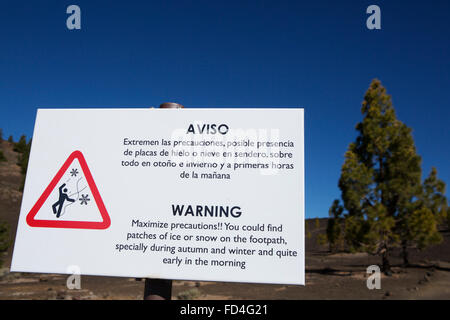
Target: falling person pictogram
<point x="58" y="207"/>
<point x="62" y="198"/>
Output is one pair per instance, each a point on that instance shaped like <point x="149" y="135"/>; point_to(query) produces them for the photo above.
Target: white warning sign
<point x="191" y="194"/>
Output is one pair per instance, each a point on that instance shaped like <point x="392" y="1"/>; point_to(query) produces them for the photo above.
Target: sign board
<point x="188" y="194"/>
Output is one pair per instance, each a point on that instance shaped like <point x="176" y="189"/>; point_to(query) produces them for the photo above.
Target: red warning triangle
<point x="104" y="224"/>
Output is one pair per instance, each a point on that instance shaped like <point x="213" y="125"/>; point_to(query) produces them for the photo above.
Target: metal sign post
<point x="160" y="289"/>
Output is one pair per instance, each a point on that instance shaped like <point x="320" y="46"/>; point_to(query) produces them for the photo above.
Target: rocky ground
<point x="328" y="276"/>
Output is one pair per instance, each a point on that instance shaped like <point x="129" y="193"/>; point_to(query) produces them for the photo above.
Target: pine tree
<point x="308" y="233"/>
<point x="21" y="145"/>
<point x="321" y="239"/>
<point x="433" y="196"/>
<point x="23" y="157"/>
<point x="334" y="230"/>
<point x="419" y="223"/>
<point x="380" y="177"/>
<point x="23" y="163"/>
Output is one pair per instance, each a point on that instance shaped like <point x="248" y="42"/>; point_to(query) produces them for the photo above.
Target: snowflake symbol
<point x="74" y="172"/>
<point x="84" y="199"/>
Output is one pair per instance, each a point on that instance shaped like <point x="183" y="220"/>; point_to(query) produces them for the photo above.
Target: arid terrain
<point x="328" y="276"/>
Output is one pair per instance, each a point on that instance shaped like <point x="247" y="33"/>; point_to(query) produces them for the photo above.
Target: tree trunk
<point x="405" y="253"/>
<point x="386" y="268"/>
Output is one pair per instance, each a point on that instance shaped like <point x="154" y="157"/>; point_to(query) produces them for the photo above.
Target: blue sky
<point x="314" y="54"/>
